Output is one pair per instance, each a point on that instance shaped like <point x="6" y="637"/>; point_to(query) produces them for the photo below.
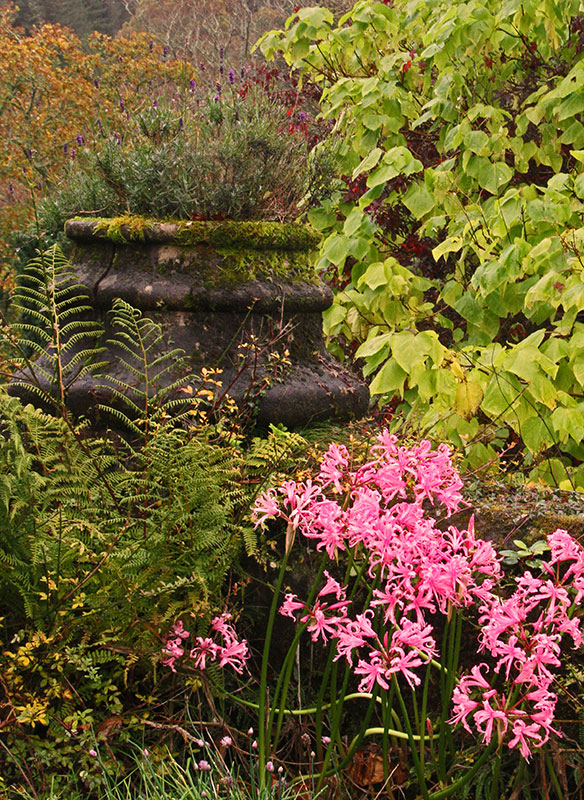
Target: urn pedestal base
<point x="250" y="307"/>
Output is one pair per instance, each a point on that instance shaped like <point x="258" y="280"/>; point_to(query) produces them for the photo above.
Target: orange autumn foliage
<point x="53" y="90"/>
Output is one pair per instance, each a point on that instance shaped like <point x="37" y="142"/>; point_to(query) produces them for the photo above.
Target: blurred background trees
<point x="83" y="16"/>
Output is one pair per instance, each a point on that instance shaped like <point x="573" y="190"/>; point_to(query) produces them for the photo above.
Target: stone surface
<point x="263" y="331"/>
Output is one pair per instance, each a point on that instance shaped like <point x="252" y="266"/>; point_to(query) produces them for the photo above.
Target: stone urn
<point x="239" y="297"/>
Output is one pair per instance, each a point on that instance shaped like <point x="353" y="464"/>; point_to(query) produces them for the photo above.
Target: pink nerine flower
<point x="331" y="470"/>
<point x="405" y="569"/>
<point x="523" y="634"/>
<point x="563" y="546"/>
<point x="290" y="605"/>
<point x="235" y="654"/>
<point x="204" y="649"/>
<point x="265" y="507"/>
<point x="229" y="651"/>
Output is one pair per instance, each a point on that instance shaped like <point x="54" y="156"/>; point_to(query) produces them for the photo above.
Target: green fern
<point x="275" y="451"/>
<point x="158" y="373"/>
<point x="54" y="342"/>
<point x="105" y="541"/>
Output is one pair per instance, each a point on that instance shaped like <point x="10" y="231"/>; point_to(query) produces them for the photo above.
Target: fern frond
<point x="56" y="343"/>
<point x="141" y="351"/>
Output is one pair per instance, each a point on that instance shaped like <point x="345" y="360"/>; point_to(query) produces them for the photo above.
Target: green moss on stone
<point x="122" y="230"/>
<point x="256" y="235"/>
<point x="242" y="265"/>
<point x="244" y="251"/>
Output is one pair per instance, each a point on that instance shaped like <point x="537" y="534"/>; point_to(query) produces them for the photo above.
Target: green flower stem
<point x="453" y="639"/>
<point x="468" y="776"/>
<point x="415" y="711"/>
<point x="283" y="682"/>
<point x="299" y="712"/>
<point x="552" y="774"/>
<point x="495" y="783"/>
<point x="412" y="740"/>
<point x="321" y="705"/>
<point x="263" y="689"/>
<point x="350" y="752"/>
<point x="337" y="709"/>
<point x="385" y="714"/>
<point x="392" y="732"/>
<point x="281" y="691"/>
<point x="424" y="713"/>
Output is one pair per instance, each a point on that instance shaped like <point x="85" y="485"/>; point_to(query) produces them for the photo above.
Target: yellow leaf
<point x="457" y="370"/>
<point x="468" y="398"/>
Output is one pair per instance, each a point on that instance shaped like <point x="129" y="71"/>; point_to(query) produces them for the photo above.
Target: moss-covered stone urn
<point x="241" y="297"/>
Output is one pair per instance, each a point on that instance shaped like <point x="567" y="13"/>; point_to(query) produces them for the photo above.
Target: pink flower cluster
<point x="522" y="634"/>
<point x="378" y="513"/>
<point x="228" y="652"/>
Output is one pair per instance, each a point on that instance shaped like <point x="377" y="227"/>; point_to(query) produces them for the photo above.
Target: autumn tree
<point x="57" y="94"/>
<point x="83" y="16"/>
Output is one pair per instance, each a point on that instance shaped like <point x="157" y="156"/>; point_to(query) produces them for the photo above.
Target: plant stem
<point x="283" y="682"/>
<point x="263" y="689"/>
<point x="457" y="785"/>
<point x="412" y="740"/>
<point x="495" y="781"/>
<point x="423" y="713"/>
<point x="552" y="774"/>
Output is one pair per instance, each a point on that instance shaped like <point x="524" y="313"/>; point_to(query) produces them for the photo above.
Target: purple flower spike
<point x="231" y="75"/>
<point x="96" y="83"/>
<point x="302" y="116"/>
<point x="180" y="124"/>
<point x="216" y="99"/>
<point x="65" y="149"/>
<point x="221" y="53"/>
<point x="151" y="45"/>
<point x="164" y="51"/>
<point x="192" y="83"/>
<point x="80" y="140"/>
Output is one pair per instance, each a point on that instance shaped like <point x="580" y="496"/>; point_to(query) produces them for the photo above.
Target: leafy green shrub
<point x="105" y="539"/>
<point x="457" y="243"/>
<point x="234" y="155"/>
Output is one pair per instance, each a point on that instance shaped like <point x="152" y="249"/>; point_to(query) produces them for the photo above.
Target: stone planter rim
<point x="252" y="234"/>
